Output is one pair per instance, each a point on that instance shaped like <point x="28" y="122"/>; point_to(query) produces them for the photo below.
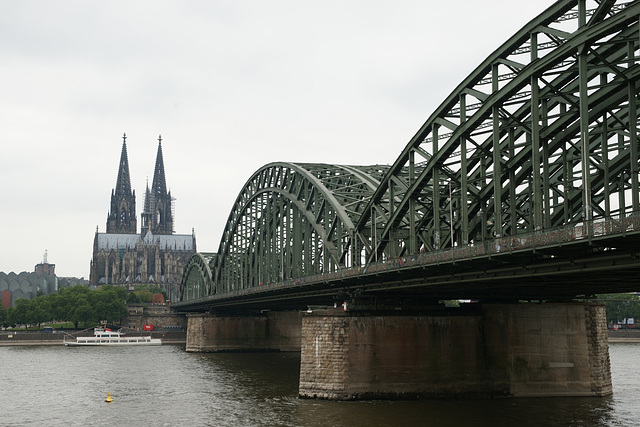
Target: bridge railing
<point x="583" y="231"/>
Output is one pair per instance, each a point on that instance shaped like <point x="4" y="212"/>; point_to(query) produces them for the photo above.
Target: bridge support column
<point x="484" y="350"/>
<point x="270" y="331"/>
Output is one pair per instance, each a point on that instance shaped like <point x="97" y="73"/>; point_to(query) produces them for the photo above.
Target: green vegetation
<point x="621" y="306"/>
<point x="76" y="304"/>
<point x="454" y="303"/>
<point x="145" y="293"/>
<point x="144" y="296"/>
<point x="4" y="315"/>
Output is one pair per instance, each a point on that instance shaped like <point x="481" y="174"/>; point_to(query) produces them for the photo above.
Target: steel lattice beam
<point x="289" y="221"/>
<point x="542" y="133"/>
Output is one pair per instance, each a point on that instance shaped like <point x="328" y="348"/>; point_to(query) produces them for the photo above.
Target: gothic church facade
<point x="156" y="255"/>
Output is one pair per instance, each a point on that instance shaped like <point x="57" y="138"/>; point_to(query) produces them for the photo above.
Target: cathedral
<point x="156" y="256"/>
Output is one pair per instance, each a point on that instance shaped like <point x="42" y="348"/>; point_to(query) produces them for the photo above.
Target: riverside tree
<point x="4" y="316"/>
<point x="621" y="306"/>
<point x="77" y="304"/>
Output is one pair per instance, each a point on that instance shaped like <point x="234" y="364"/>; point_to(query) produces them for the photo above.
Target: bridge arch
<point x="197" y="278"/>
<point x="291" y="220"/>
<point x="541" y="134"/>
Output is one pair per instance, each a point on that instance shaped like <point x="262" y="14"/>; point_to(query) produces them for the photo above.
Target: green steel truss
<point x="289" y="221"/>
<point x="197" y="277"/>
<point x="541" y="134"/>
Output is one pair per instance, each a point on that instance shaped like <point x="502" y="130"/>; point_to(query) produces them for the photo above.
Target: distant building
<point x="44" y="267"/>
<point x="156" y="255"/>
<point x="27" y="285"/>
<point x="42" y="281"/>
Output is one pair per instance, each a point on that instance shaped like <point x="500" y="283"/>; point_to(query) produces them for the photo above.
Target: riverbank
<point x="30" y="338"/>
<point x="8" y="338"/>
<point x="624" y="335"/>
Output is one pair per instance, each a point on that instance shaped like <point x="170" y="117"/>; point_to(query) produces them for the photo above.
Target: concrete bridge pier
<point x="550" y="349"/>
<point x="266" y="331"/>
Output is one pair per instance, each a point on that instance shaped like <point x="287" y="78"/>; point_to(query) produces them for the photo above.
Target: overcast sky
<point x="230" y="85"/>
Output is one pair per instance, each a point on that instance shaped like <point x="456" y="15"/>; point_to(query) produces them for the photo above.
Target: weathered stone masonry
<point x="270" y="331"/>
<point x="500" y="350"/>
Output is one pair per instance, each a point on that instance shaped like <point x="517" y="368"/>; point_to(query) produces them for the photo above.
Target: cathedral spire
<point x="158" y="205"/>
<point x="146" y="211"/>
<point x="123" y="184"/>
<point x="147" y="198"/>
<point x="122" y="217"/>
<point x="159" y="184"/>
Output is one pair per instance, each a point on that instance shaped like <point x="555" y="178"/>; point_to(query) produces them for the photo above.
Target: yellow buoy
<point x="109" y="399"/>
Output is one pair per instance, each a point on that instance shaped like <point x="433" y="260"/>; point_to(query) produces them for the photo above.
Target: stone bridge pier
<point x="267" y="331"/>
<point x="483" y="350"/>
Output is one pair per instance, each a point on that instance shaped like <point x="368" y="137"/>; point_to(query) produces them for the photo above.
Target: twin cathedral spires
<point x="157" y="215"/>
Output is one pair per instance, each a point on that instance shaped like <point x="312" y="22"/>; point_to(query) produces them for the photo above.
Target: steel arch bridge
<point x="289" y="221"/>
<point x="542" y="134"/>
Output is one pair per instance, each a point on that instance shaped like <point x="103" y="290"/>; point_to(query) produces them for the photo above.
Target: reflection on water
<point x="58" y="386"/>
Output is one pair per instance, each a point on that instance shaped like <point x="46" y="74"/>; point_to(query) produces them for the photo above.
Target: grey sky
<point x="230" y="85"/>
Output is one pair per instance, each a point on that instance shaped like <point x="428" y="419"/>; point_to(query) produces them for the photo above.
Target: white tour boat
<point x="112" y="338"/>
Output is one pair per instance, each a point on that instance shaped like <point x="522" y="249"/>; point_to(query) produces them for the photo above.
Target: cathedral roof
<point x="178" y="242"/>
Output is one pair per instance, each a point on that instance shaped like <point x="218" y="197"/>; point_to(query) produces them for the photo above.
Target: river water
<point x="165" y="386"/>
